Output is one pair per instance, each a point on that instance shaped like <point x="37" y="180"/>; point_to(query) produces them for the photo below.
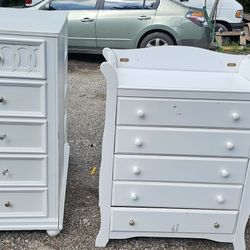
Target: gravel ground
<point x="82" y="219"/>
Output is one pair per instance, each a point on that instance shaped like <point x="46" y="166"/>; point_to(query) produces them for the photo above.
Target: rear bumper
<point x="204" y="42"/>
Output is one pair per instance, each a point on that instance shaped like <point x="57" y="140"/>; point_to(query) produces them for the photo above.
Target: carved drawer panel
<point x="176" y="195"/>
<point x="23" y="202"/>
<point x="23" y="137"/>
<point x="18" y="170"/>
<point x="23" y="100"/>
<point x="23" y="58"/>
<point x="180" y="169"/>
<point x="172" y="220"/>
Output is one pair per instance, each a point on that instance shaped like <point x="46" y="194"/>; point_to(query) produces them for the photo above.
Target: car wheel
<point x="156" y="39"/>
<point x="219" y="27"/>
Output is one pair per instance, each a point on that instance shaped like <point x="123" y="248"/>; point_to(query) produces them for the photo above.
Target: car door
<point x="120" y="21"/>
<point x="81" y="21"/>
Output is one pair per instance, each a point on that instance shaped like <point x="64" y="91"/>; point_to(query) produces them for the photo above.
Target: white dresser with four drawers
<point x="176" y="145"/>
<point x="33" y="143"/>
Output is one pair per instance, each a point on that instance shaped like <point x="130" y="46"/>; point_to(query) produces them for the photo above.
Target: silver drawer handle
<point x="230" y="145"/>
<point x="2" y="100"/>
<point x="138" y="142"/>
<point x="3" y="137"/>
<point x="220" y="199"/>
<point x="136" y="170"/>
<point x="133" y="196"/>
<point x="7" y="204"/>
<point x="131" y="222"/>
<point x="216" y="225"/>
<point x="5" y="172"/>
<point x="140" y="113"/>
<point x="236" y="116"/>
<point x="225" y="173"/>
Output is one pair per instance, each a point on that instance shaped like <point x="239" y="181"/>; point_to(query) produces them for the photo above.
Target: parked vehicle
<point x="229" y="13"/>
<point x="128" y="24"/>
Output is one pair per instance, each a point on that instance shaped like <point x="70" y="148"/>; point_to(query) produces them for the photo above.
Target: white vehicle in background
<point x="29" y="3"/>
<point x="229" y="13"/>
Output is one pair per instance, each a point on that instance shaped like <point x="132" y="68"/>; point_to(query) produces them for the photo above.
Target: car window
<point x="72" y="5"/>
<point x="123" y="5"/>
<point x="129" y="4"/>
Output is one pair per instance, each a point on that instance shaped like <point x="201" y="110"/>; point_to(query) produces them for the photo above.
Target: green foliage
<point x="246" y="5"/>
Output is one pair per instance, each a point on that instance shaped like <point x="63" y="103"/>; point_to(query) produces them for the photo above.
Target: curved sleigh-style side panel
<point x="105" y="184"/>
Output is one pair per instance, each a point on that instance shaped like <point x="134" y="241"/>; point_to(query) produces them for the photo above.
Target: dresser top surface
<point x="31" y="21"/>
<point x="179" y="68"/>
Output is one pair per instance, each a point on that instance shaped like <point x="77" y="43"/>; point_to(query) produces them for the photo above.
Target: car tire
<point x="156" y="39"/>
<point x="219" y="27"/>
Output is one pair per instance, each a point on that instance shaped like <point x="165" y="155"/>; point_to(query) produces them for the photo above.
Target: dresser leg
<point x="102" y="239"/>
<point x="53" y="233"/>
<point x="239" y="243"/>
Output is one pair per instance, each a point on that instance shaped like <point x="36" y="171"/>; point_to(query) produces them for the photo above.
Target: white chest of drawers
<point x="33" y="144"/>
<point x="176" y="145"/>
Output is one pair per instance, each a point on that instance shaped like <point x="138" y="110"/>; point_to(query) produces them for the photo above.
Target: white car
<point x="229" y="13"/>
<point x="29" y="3"/>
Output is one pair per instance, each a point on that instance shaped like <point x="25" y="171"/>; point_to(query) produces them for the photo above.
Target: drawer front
<point x="27" y="101"/>
<point x="176" y="195"/>
<point x="23" y="137"/>
<point x="174" y="112"/>
<point x="172" y="221"/>
<point x="179" y="169"/>
<point x="23" y="171"/>
<point x="139" y="140"/>
<point x="23" y="203"/>
<point x="22" y="58"/>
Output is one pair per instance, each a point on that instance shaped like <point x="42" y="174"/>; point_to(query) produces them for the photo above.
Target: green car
<point x="129" y="24"/>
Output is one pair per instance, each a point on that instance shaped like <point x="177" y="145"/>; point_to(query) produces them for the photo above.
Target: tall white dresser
<point x="33" y="146"/>
<point x="176" y="145"/>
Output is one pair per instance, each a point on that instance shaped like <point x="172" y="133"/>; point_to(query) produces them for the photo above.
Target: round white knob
<point x="230" y="145"/>
<point x="136" y="170"/>
<point x="224" y="173"/>
<point x="220" y="199"/>
<point x="236" y="116"/>
<point x="133" y="196"/>
<point x="140" y="113"/>
<point x="138" y="142"/>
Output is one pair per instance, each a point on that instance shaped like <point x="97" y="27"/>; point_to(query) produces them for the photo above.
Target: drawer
<point x="173" y="220"/>
<point x="174" y="141"/>
<point x="20" y="137"/>
<point x="23" y="202"/>
<point x="176" y="195"/>
<point x="174" y="112"/>
<point x="179" y="169"/>
<point x="16" y="170"/>
<point x="22" y="100"/>
<point x="22" y="58"/>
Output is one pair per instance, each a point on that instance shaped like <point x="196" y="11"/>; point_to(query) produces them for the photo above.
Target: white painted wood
<point x="179" y="169"/>
<point x="172" y="220"/>
<point x="23" y="202"/>
<point x="22" y="58"/>
<point x="23" y="136"/>
<point x="33" y="140"/>
<point x="24" y="100"/>
<point x="178" y="141"/>
<point x="183" y="112"/>
<point x="18" y="170"/>
<point x="176" y="195"/>
<point x="179" y="145"/>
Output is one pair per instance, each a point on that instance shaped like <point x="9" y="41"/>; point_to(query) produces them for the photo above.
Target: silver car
<point x="128" y="24"/>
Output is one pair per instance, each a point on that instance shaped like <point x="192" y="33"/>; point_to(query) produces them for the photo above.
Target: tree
<point x="246" y="5"/>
